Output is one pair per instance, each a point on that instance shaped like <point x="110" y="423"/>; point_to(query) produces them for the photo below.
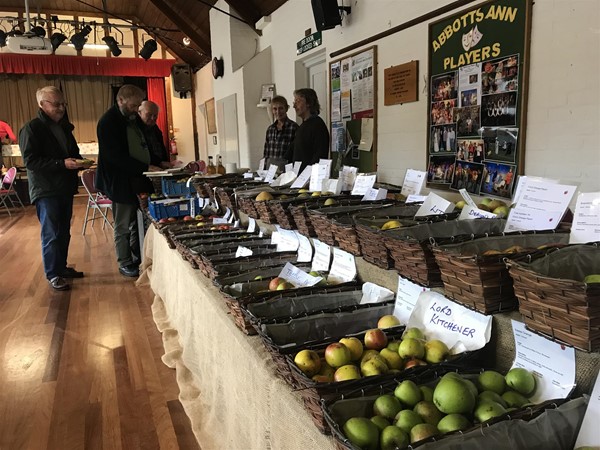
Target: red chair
<point x="96" y="201"/>
<point x="7" y="190"/>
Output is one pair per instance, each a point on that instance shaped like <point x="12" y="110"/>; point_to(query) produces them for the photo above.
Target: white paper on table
<point x="261" y="164"/>
<point x="467" y="198"/>
<point x="298" y="277"/>
<point x="289" y="167"/>
<point x="251" y="225"/>
<point x="305" y="250"/>
<point x="469" y="212"/>
<point x="348" y="177"/>
<point x="296" y="167"/>
<point x="322" y="257"/>
<point x="373" y="293"/>
<point x="332" y="185"/>
<point x="413" y="182"/>
<point x="586" y="220"/>
<point x="375" y="194"/>
<point x="243" y="251"/>
<point x="366" y="134"/>
<point x="552" y="364"/>
<point x="271" y="173"/>
<point x="303" y="178"/>
<point x="461" y="329"/>
<point x="363" y="183"/>
<point x="522" y="182"/>
<point x="406" y="298"/>
<point x="343" y="267"/>
<point x="434" y="204"/>
<point x="219" y="220"/>
<point x="287" y="240"/>
<point x="416" y="198"/>
<point x="248" y="175"/>
<point x="589" y="433"/>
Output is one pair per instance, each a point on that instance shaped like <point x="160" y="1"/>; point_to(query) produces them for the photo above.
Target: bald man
<point x="148" y="113"/>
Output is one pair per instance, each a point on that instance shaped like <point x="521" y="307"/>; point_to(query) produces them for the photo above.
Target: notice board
<point x="477" y="97"/>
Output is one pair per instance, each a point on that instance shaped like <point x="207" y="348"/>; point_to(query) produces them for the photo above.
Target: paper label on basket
<point x="248" y="175"/>
<point x="348" y="177"/>
<point x="261" y="164"/>
<point x="467" y="198"/>
<point x="289" y="167"/>
<point x="343" y="267"/>
<point x="375" y="194"/>
<point x="251" y="225"/>
<point x="296" y="168"/>
<point x="373" y="293"/>
<point x="243" y="251"/>
<point x="406" y="298"/>
<point x="271" y="173"/>
<point x="589" y="435"/>
<point x="434" y="204"/>
<point x="320" y="172"/>
<point x="302" y="179"/>
<point x="227" y="214"/>
<point x="413" y="182"/>
<point x="231" y="218"/>
<point x="522" y="182"/>
<point x="586" y="220"/>
<point x="461" y="329"/>
<point x="305" y="250"/>
<point x="322" y="257"/>
<point x="363" y="183"/>
<point x="236" y="224"/>
<point x="540" y="207"/>
<point x="219" y="220"/>
<point x="287" y="241"/>
<point x="552" y="364"/>
<point x="332" y="185"/>
<point x="469" y="213"/>
<point x="298" y="277"/>
<point x="416" y="198"/>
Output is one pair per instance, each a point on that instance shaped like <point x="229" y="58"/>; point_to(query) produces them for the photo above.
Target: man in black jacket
<point x="52" y="158"/>
<point x="123" y="156"/>
<point x="148" y="113"/>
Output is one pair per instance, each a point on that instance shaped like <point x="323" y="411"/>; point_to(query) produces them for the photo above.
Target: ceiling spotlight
<point x="38" y="31"/>
<point x="56" y="39"/>
<point x="149" y="47"/>
<point x="78" y="39"/>
<point x="15" y="32"/>
<point x="3" y="38"/>
<point x="113" y="45"/>
<point x="186" y="41"/>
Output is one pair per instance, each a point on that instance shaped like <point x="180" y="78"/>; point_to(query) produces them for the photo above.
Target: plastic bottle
<point x="220" y="166"/>
<point x="211" y="169"/>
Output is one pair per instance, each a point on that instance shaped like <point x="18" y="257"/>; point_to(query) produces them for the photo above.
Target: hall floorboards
<point x="80" y="369"/>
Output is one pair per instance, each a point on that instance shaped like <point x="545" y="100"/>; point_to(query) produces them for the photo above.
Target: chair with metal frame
<point x="96" y="201"/>
<point x="8" y="192"/>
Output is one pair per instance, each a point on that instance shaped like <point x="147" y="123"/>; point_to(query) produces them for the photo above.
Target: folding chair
<point x="96" y="201"/>
<point x="7" y="190"/>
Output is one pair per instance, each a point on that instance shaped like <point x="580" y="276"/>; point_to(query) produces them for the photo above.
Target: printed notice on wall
<point x="401" y="83"/>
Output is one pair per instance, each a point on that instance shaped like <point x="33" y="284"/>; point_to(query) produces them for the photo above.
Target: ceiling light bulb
<point x="186" y="41"/>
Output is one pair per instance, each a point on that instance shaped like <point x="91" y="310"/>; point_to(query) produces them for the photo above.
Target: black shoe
<point x="129" y="271"/>
<point x="69" y="272"/>
<point x="59" y="284"/>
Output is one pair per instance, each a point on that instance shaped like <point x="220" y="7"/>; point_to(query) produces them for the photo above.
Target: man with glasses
<point x="52" y="158"/>
<point x="148" y="114"/>
<point x="123" y="156"/>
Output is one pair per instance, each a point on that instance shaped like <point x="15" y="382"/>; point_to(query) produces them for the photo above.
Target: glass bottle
<point x="220" y="166"/>
<point x="211" y="169"/>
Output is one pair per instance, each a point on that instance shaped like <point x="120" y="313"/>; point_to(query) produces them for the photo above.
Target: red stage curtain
<point x="84" y="65"/>
<point x="156" y="93"/>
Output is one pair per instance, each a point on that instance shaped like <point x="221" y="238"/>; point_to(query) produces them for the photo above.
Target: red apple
<point x="375" y="339"/>
<point x="172" y="219"/>
<point x="163" y="221"/>
<point x="414" y="362"/>
<point x="275" y="282"/>
<point x="187" y="218"/>
<point x="337" y="355"/>
<point x="223" y="227"/>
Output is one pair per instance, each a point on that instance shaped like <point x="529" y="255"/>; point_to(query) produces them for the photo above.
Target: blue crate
<point x="171" y="188"/>
<point x="159" y="210"/>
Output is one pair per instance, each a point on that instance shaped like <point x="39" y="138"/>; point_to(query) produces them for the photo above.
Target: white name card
<point x="322" y="257"/>
<point x="298" y="277"/>
<point x="296" y="167"/>
<point x="375" y="194"/>
<point x="416" y="198"/>
<point x="413" y="182"/>
<point x="271" y="173"/>
<point x="251" y="225"/>
<point x="243" y="251"/>
<point x="289" y="167"/>
<point x="434" y="204"/>
<point x="469" y="212"/>
<point x="461" y="329"/>
<point x="261" y="164"/>
<point x="406" y="298"/>
<point x="219" y="220"/>
<point x="334" y="186"/>
<point x="248" y="175"/>
<point x="467" y="198"/>
<point x="589" y="434"/>
<point x="287" y="240"/>
<point x="305" y="250"/>
<point x="302" y="179"/>
<point x="343" y="267"/>
<point x="552" y="364"/>
<point x="319" y="173"/>
<point x="348" y="176"/>
<point x="373" y="293"/>
<point x="363" y="183"/>
<point x="586" y="221"/>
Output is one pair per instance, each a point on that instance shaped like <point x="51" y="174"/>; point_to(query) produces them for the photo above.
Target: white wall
<point x="204" y="91"/>
<point x="563" y="121"/>
<point x="183" y="127"/>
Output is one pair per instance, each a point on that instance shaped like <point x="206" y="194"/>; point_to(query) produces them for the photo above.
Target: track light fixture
<point x="38" y="31"/>
<point x="56" y="40"/>
<point x="149" y="47"/>
<point x="113" y="45"/>
<point x="78" y="39"/>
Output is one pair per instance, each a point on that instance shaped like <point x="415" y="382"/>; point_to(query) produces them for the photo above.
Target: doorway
<point x="311" y="72"/>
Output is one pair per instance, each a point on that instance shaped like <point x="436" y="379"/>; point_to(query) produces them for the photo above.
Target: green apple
<point x="308" y="362"/>
<point x="355" y="347"/>
<point x="337" y="355"/>
<point x="347" y="372"/>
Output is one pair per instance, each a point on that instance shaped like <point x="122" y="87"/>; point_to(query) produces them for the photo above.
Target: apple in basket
<point x="375" y="339"/>
<point x="308" y="362"/>
<point x="275" y="282"/>
<point x="187" y="218"/>
<point x="163" y="221"/>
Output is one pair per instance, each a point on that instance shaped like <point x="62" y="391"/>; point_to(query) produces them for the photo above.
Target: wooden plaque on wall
<point x="401" y="83"/>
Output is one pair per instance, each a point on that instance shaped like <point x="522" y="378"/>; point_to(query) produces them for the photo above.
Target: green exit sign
<point x="308" y="43"/>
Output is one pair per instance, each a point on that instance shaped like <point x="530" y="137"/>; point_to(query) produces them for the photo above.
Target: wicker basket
<point x="554" y="299"/>
<point x="410" y="247"/>
<point x="482" y="281"/>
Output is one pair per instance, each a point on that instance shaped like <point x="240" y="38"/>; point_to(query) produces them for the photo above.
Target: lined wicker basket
<point x="410" y="248"/>
<point x="554" y="299"/>
<point x="481" y="281"/>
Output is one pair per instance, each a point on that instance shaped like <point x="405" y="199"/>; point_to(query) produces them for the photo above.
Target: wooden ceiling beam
<point x="181" y="23"/>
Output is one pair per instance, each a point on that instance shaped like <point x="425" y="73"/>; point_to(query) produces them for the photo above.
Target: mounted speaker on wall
<point x="327" y="14"/>
<point x="181" y="75"/>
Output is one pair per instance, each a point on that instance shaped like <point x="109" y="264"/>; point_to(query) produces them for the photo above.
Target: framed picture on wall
<point x="211" y="119"/>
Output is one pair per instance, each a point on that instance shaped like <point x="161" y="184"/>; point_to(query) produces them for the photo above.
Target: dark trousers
<point x="127" y="243"/>
<point x="54" y="214"/>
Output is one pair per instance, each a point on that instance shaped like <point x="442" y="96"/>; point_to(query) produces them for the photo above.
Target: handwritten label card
<point x="467" y="198"/>
<point x="348" y="177"/>
<point x="586" y="221"/>
<point x="271" y="173"/>
<point x="298" y="277"/>
<point x="413" y="182"/>
<point x="553" y="364"/>
<point x="434" y="204"/>
<point x="287" y="240"/>
<point x="363" y="183"/>
<point x="251" y="225"/>
<point x="375" y="194"/>
<point x="319" y="173"/>
<point x="305" y="250"/>
<point x="461" y="329"/>
<point x="334" y="186"/>
<point x="373" y="293"/>
<point x="243" y="251"/>
<point x="343" y="267"/>
<point x="469" y="212"/>
<point x="589" y="434"/>
<point x="322" y="257"/>
<point x="406" y="298"/>
<point x="303" y="178"/>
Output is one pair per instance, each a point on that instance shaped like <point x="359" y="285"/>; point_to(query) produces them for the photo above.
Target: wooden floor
<point x="80" y="369"/>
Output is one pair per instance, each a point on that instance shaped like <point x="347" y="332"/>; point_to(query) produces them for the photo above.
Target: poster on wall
<point x="478" y="65"/>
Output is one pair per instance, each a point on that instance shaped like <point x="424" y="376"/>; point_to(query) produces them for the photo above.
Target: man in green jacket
<point x="51" y="156"/>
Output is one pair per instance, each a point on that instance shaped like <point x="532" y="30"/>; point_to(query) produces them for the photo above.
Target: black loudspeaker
<point x="327" y="14"/>
<point x="181" y="74"/>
